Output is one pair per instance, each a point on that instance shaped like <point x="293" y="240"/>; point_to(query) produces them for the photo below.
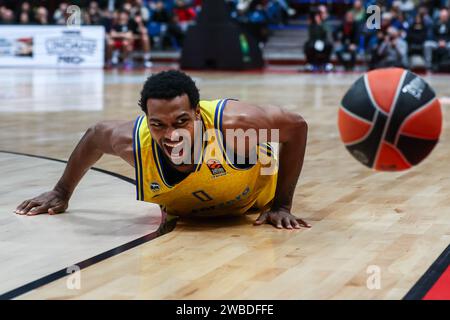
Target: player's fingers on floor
<point x="277" y="223"/>
<point x="30" y="206"/>
<point x="287" y="223"/>
<point x="304" y="223"/>
<point x="21" y="207"/>
<point x="56" y="209"/>
<point x="38" y="210"/>
<point x="261" y="219"/>
<point x="295" y="223"/>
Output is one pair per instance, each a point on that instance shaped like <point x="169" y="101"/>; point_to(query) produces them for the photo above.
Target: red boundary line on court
<point x="435" y="283"/>
<point x="441" y="289"/>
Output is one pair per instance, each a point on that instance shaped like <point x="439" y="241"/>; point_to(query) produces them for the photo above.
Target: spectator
<point x="164" y="25"/>
<point x="285" y="6"/>
<point x="185" y="14"/>
<point x="440" y="45"/>
<point x="60" y="14"/>
<point x="256" y="22"/>
<point x="346" y="38"/>
<point x="7" y="16"/>
<point x="372" y="36"/>
<point x="323" y="11"/>
<point x="140" y="35"/>
<point x="124" y="36"/>
<point x="391" y="51"/>
<point x="375" y="42"/>
<point x="93" y="14"/>
<point x="417" y="35"/>
<point x="434" y="6"/>
<point x="279" y="11"/>
<point x="120" y="39"/>
<point x="358" y="12"/>
<point x="24" y="18"/>
<point x="159" y="12"/>
<point x="406" y="7"/>
<point x="127" y="6"/>
<point x="427" y="20"/>
<point x="140" y="9"/>
<point x="399" y="22"/>
<point x="41" y="16"/>
<point x="24" y="13"/>
<point x="107" y="19"/>
<point x="386" y="20"/>
<point x="318" y="47"/>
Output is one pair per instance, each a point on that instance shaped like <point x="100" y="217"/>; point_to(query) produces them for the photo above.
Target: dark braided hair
<point x="169" y="85"/>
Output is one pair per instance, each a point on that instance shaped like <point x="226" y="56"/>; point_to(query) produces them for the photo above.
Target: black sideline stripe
<point x="427" y="281"/>
<point x="166" y="227"/>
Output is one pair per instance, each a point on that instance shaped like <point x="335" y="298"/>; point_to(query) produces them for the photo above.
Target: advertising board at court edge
<point x="52" y="46"/>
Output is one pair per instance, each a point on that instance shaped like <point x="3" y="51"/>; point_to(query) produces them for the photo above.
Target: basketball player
<point x="214" y="183"/>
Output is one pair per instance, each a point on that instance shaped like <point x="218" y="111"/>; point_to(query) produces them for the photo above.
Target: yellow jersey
<point x="217" y="186"/>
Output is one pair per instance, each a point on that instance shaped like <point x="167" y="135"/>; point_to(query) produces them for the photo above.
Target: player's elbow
<point x="95" y="130"/>
<point x="100" y="128"/>
<point x="90" y="132"/>
<point x="299" y="124"/>
<point x="96" y="133"/>
<point x="293" y="128"/>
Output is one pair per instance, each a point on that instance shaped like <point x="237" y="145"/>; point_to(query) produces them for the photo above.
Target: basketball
<point x="390" y="119"/>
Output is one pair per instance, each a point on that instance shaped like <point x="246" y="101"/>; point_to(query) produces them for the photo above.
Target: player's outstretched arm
<point x="111" y="137"/>
<point x="292" y="130"/>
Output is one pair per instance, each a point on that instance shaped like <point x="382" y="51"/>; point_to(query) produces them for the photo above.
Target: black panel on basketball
<point x="358" y="102"/>
<point x="414" y="149"/>
<point x="402" y="135"/>
<point x="366" y="150"/>
<point x="414" y="93"/>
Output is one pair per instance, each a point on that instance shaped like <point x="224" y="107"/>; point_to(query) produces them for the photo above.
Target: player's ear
<point x="197" y="112"/>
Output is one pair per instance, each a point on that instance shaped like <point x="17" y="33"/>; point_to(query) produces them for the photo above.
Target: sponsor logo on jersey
<point x="154" y="186"/>
<point x="209" y="210"/>
<point x="216" y="168"/>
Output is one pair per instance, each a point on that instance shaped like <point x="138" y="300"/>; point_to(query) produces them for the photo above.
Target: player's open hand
<point x="281" y="219"/>
<point x="51" y="202"/>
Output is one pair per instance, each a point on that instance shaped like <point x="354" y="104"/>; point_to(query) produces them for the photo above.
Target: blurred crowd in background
<point x="410" y="33"/>
<point x="139" y="25"/>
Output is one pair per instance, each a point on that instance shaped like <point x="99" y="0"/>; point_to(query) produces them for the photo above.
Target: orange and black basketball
<point x="390" y="119"/>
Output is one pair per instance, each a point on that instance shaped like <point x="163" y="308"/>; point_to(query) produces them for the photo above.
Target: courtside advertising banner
<point x="52" y="46"/>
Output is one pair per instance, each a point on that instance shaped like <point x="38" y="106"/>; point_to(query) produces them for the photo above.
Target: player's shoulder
<point x="122" y="139"/>
<point x="118" y="132"/>
<point x="124" y="128"/>
<point x="114" y="127"/>
<point x="234" y="109"/>
<point x="245" y="115"/>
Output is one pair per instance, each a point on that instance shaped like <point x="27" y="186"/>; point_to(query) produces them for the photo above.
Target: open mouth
<point x="174" y="150"/>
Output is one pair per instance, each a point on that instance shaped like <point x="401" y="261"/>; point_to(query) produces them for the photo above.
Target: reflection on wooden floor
<point x="35" y="247"/>
<point x="397" y="222"/>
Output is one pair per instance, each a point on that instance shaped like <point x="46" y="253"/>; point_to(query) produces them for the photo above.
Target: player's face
<point x="170" y="123"/>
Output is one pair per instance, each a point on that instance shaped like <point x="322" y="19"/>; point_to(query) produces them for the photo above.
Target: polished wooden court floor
<point x="395" y="223"/>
